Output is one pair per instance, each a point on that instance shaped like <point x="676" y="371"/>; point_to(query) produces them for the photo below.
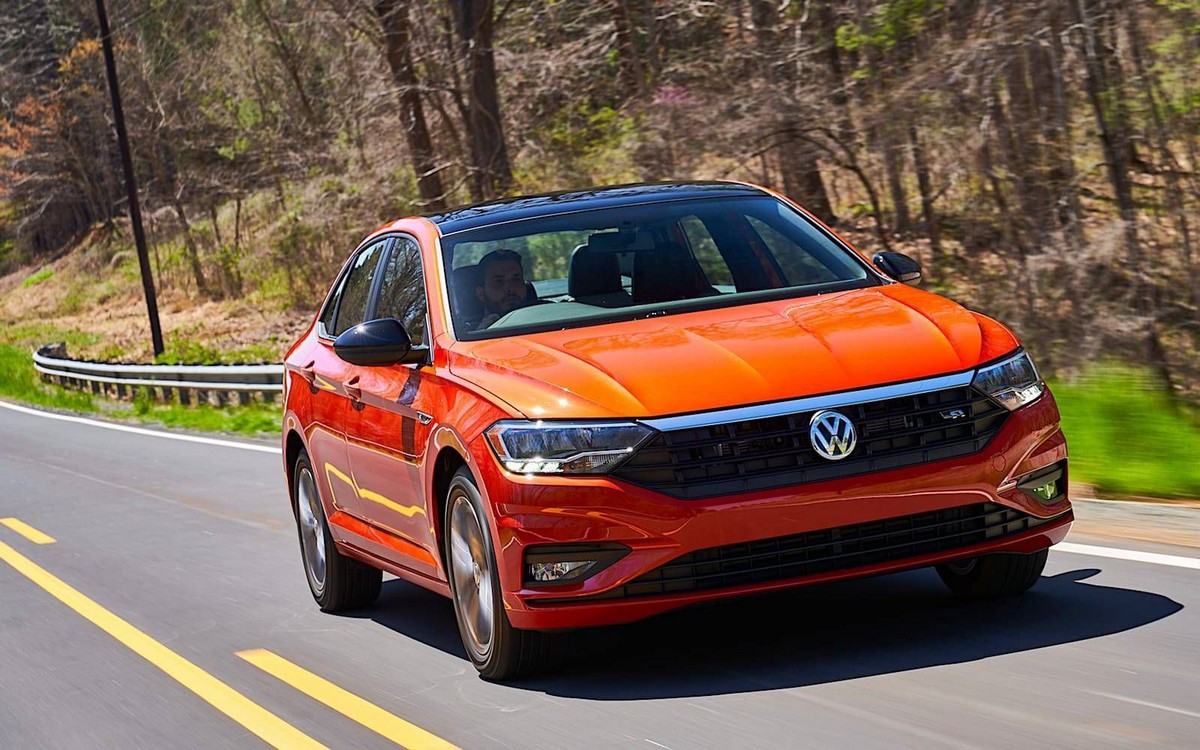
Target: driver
<point x="501" y="286"/>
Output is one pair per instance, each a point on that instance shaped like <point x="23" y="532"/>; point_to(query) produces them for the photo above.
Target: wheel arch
<point x="293" y="446"/>
<point x="449" y="460"/>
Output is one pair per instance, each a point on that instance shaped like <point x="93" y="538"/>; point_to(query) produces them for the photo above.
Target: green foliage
<point x="109" y="353"/>
<point x="1127" y="436"/>
<point x="31" y="335"/>
<point x="181" y="350"/>
<point x="592" y="142"/>
<point x="187" y="348"/>
<point x="72" y="301"/>
<point x="252" y="419"/>
<point x="143" y="402"/>
<point x="9" y="255"/>
<point x="240" y="145"/>
<point x="249" y="114"/>
<point x="1176" y="58"/>
<point x="894" y="22"/>
<point x="584" y="129"/>
<point x="38" y="277"/>
<point x="19" y="381"/>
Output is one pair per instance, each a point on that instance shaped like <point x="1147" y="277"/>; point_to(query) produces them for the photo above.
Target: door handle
<point x="354" y="392"/>
<point x="310" y="376"/>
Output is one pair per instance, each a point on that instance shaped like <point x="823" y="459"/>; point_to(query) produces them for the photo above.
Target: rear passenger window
<point x="356" y="289"/>
<point x="402" y="295"/>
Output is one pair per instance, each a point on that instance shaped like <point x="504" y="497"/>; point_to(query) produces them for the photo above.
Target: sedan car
<point x="591" y="407"/>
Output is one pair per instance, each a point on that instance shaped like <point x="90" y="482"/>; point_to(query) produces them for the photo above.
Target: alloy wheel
<point x="471" y="567"/>
<point x="312" y="529"/>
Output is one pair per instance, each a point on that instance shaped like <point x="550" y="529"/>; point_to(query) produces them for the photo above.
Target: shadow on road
<point x="810" y="636"/>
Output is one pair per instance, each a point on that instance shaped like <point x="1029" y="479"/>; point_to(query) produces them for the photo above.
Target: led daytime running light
<point x="550" y="447"/>
<point x="1013" y="382"/>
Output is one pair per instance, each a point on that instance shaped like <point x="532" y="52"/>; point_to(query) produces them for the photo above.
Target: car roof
<point x="567" y="201"/>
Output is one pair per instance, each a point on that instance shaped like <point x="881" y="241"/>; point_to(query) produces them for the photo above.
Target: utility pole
<point x="135" y="211"/>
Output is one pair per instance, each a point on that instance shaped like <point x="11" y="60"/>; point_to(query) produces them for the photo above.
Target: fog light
<point x="1048" y="485"/>
<point x="558" y="564"/>
<point x="1045" y="492"/>
<point x="550" y="572"/>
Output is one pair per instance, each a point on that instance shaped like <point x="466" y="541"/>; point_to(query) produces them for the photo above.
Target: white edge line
<point x="1128" y="554"/>
<point x="142" y="431"/>
<point x="1147" y="704"/>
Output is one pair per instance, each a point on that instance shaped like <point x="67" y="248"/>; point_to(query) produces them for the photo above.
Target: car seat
<point x="668" y="273"/>
<point x="468" y="310"/>
<point x="594" y="278"/>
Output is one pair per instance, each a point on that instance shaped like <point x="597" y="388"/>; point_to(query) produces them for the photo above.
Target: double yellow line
<point x="266" y="725"/>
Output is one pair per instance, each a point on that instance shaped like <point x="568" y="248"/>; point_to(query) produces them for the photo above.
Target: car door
<point x="388" y="431"/>
<point x="328" y="374"/>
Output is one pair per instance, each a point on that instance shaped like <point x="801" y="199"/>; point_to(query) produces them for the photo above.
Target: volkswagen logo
<point x="832" y="435"/>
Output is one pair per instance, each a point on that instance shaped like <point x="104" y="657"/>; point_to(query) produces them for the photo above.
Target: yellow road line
<point x="343" y="701"/>
<point x="272" y="729"/>
<point x="27" y="531"/>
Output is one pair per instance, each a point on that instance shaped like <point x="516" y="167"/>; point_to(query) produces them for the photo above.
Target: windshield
<point x="590" y="267"/>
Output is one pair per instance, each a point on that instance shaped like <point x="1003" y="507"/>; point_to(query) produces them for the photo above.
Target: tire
<point x="497" y="649"/>
<point x="338" y="583"/>
<point x="994" y="575"/>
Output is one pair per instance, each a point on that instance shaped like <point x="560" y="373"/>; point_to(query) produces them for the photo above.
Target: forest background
<point x="1039" y="157"/>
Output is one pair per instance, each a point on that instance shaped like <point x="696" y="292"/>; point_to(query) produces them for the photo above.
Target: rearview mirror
<point x="377" y="343"/>
<point x="899" y="267"/>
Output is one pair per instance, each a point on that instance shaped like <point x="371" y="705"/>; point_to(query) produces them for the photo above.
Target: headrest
<point x="665" y="274"/>
<point x="593" y="273"/>
<point x="463" y="282"/>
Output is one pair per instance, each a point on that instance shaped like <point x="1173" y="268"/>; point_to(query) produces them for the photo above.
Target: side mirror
<point x="377" y="343"/>
<point x="900" y="267"/>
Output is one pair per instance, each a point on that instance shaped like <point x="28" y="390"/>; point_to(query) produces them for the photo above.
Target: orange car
<point x="591" y="407"/>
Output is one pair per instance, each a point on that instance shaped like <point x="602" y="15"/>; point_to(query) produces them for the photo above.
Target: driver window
<point x="402" y="295"/>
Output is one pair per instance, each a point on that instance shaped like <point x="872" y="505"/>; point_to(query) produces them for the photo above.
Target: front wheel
<point x="497" y="649"/>
<point x="337" y="582"/>
<point x="994" y="575"/>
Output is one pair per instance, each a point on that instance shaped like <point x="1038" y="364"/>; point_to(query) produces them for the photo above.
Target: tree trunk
<point x="1170" y="166"/>
<point x="189" y="244"/>
<point x="797" y="159"/>
<point x="164" y="166"/>
<point x="839" y="93"/>
<point x="474" y="23"/>
<point x="288" y="58"/>
<point x="397" y="35"/>
<point x="901" y="222"/>
<point x="1111" y="139"/>
<point x="921" y="164"/>
<point x="1063" y="178"/>
<point x="629" y="59"/>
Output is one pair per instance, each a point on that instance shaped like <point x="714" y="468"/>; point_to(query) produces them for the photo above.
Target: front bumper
<point x="658" y="529"/>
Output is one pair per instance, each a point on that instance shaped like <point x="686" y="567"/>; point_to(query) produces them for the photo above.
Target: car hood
<point x="732" y="356"/>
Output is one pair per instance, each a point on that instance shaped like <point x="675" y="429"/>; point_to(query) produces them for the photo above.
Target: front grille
<point x="761" y="454"/>
<point x="826" y="550"/>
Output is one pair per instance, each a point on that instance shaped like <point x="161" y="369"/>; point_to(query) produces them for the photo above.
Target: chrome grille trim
<point x="810" y="403"/>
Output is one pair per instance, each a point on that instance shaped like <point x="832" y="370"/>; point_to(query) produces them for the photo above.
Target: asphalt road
<point x="171" y="558"/>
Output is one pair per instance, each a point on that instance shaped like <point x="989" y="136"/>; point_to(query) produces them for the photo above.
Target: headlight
<point x="547" y="447"/>
<point x="1013" y="382"/>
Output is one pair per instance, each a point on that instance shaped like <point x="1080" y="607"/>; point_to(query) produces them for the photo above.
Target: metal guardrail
<point x="212" y="384"/>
